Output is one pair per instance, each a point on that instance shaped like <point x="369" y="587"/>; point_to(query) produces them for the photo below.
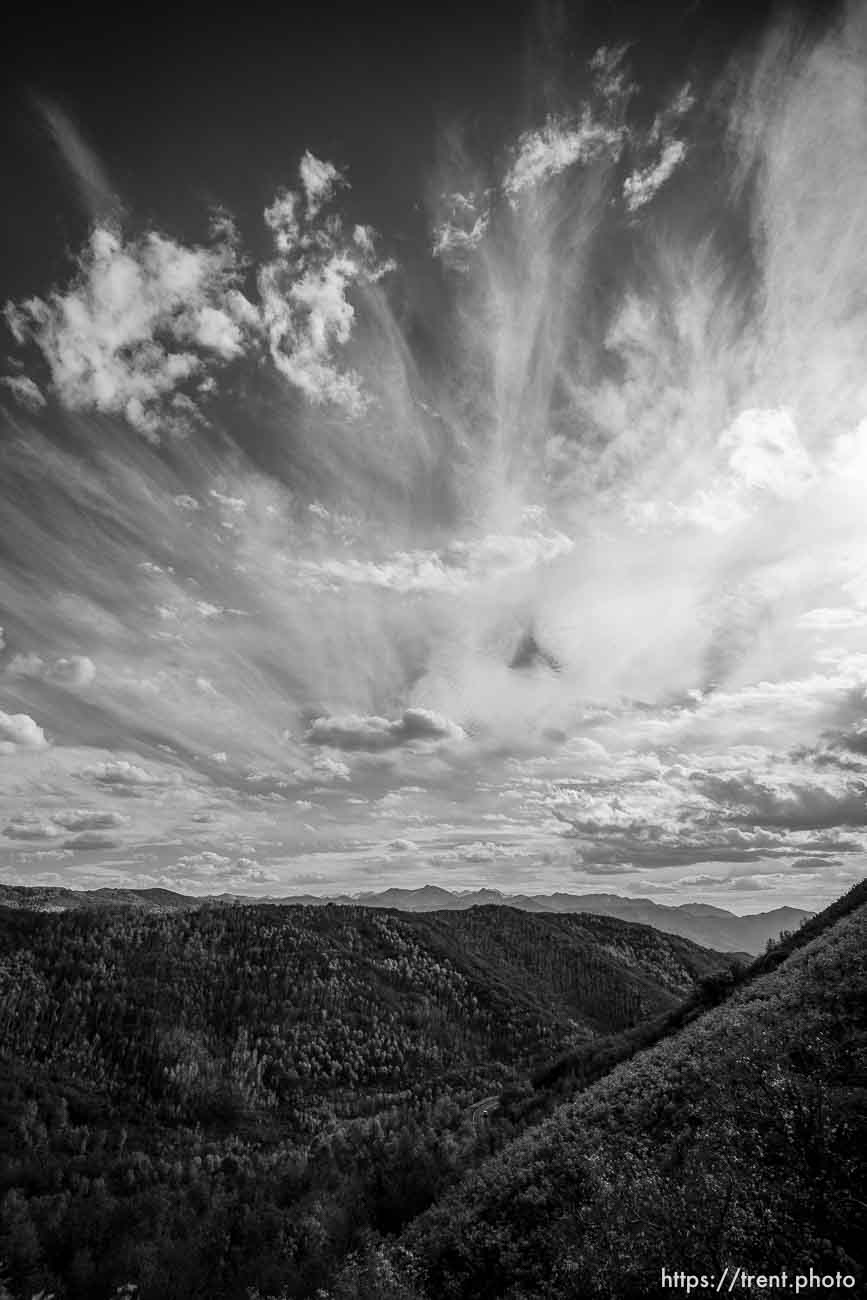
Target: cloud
<point x="325" y="765"/>
<point x="19" y="731"/>
<point x="216" y="869"/>
<point x="462" y="229"/>
<point x="638" y="813"/>
<point x="792" y="805"/>
<point x="641" y="186"/>
<point x="855" y="740"/>
<point x="120" y="772"/>
<point x="764" y="451"/>
<point x="610" y="76"/>
<point x="235" y="505"/>
<point x="25" y="391"/>
<point x="74" y="671"/>
<point x="96" y="192"/>
<point x="319" y="180"/>
<point x="372" y="733"/>
<point x="88" y="819"/>
<point x="94" y="840"/>
<point x="139" y="319"/>
<point x="604" y="868"/>
<point x="30" y="828"/>
<point x="206" y="860"/>
<point x="544" y="153"/>
<point x="454" y="569"/>
<point x="305" y="308"/>
<point x="840" y="619"/>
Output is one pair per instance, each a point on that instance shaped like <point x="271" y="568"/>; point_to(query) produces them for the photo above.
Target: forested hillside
<point x="739" y="1141"/>
<point x="208" y="1100"/>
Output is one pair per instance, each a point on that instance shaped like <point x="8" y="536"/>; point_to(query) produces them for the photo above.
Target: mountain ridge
<point x="702" y="923"/>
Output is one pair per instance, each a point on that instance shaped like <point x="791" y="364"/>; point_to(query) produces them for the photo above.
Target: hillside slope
<point x="601" y="971"/>
<point x="287" y="1002"/>
<point x="739" y="1141"/>
<point x="206" y="1101"/>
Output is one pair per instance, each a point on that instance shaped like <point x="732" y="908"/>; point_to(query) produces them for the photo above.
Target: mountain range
<point x="710" y="927"/>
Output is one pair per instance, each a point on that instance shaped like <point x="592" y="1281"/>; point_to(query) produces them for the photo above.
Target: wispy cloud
<point x="641" y="186"/>
<point x="96" y="192"/>
<point x="25" y="391"/>
<point x="542" y="154"/>
<point x="462" y="227"/>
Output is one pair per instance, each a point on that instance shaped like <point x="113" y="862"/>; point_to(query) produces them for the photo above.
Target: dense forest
<point x="226" y="1100"/>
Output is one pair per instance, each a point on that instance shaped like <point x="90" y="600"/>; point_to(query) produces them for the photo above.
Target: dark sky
<point x="198" y="104"/>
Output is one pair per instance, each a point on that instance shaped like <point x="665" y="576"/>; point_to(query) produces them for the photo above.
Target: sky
<point x="433" y="449"/>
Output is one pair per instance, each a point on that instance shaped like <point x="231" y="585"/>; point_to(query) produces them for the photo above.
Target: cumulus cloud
<point x="760" y="454"/>
<point x="359" y="732"/>
<point x="19" y="731"/>
<point x="216" y="869"/>
<point x="641" y="811"/>
<point x="120" y="772"/>
<point x="319" y="180"/>
<point x="139" y="319"/>
<point x="206" y="860"/>
<point x="304" y="291"/>
<point x="88" y="819"/>
<point x="27" y="393"/>
<point x="789" y="804"/>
